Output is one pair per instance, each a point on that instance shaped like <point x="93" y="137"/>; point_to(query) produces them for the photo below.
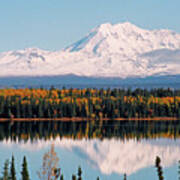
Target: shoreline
<point x="80" y="119"/>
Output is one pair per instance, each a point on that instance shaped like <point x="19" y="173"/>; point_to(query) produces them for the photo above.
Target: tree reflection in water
<point x="18" y="131"/>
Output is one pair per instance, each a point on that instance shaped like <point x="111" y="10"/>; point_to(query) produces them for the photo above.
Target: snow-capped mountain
<point x="120" y="50"/>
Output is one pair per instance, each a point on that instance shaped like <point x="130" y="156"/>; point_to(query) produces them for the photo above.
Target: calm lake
<point x="104" y="149"/>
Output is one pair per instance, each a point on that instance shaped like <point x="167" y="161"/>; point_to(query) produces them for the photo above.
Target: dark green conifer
<point x="17" y="108"/>
<point x="159" y="168"/>
<point x="62" y="177"/>
<point x="179" y="169"/>
<point x="24" y="172"/>
<point x="40" y="110"/>
<point x="125" y="177"/>
<point x="12" y="169"/>
<point x="73" y="177"/>
<point x="6" y="170"/>
<point x="79" y="173"/>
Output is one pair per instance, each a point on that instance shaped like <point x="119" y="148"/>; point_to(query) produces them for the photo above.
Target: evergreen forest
<point x="89" y="103"/>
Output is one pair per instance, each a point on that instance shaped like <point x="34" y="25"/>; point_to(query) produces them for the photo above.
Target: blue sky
<point x="55" y="24"/>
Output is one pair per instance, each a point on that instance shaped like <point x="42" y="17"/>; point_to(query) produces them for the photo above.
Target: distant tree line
<point x="89" y="103"/>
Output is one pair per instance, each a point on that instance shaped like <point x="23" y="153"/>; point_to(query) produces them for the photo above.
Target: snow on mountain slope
<point x="120" y="50"/>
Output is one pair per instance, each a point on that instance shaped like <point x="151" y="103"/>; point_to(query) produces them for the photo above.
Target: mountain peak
<point x="110" y="28"/>
<point x="127" y="26"/>
<point x="104" y="27"/>
<point x="104" y="36"/>
<point x="109" y="50"/>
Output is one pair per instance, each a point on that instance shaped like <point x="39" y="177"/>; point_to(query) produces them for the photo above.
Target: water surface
<point x="131" y="149"/>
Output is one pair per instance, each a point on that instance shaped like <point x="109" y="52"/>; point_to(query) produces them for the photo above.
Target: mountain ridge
<point x="119" y="50"/>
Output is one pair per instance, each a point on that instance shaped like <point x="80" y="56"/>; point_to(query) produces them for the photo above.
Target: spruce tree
<point x="159" y="168"/>
<point x="73" y="177"/>
<point x="12" y="170"/>
<point x="17" y="110"/>
<point x="79" y="173"/>
<point x="62" y="177"/>
<point x="179" y="169"/>
<point x="24" y="172"/>
<point x="125" y="177"/>
<point x="40" y="110"/>
<point x="6" y="170"/>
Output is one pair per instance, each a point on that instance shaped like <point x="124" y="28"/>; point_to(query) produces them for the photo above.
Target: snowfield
<point x="120" y="50"/>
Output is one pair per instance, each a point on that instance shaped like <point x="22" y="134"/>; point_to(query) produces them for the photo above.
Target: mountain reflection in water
<point x="112" y="156"/>
<point x="108" y="149"/>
